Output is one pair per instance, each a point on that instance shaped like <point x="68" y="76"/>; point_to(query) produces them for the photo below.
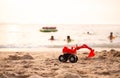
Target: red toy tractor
<point x="71" y="53"/>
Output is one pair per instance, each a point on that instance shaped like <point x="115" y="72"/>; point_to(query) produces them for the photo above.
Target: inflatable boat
<point x="48" y="29"/>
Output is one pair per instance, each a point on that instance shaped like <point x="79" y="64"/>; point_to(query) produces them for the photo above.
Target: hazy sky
<point x="60" y="11"/>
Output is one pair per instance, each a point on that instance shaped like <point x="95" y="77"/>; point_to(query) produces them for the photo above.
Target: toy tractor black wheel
<point x="73" y="58"/>
<point x="62" y="58"/>
<point x="76" y="58"/>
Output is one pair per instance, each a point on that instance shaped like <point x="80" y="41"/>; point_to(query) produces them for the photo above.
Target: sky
<point x="60" y="11"/>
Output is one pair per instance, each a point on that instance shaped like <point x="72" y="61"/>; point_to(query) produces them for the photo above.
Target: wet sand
<point x="105" y="64"/>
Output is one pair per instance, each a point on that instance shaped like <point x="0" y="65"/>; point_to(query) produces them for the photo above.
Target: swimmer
<point x="52" y="38"/>
<point x="111" y="37"/>
<point x="68" y="39"/>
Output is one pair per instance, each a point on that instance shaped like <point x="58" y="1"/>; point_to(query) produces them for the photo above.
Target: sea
<point x="28" y="36"/>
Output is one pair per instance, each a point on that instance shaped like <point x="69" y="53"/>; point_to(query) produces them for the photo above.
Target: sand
<point x="105" y="64"/>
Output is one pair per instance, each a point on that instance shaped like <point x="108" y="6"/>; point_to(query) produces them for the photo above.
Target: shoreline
<point x="43" y="49"/>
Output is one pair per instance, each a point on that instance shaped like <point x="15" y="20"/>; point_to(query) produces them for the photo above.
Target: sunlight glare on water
<point x="30" y="35"/>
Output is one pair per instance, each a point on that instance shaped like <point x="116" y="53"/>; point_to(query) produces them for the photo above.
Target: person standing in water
<point x="68" y="39"/>
<point x="111" y="37"/>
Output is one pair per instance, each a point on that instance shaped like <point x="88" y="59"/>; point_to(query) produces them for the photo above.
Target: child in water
<point x="52" y="38"/>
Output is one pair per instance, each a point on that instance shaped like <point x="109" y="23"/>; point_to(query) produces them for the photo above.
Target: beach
<point x="45" y="64"/>
<point x="40" y="38"/>
<point x="25" y="52"/>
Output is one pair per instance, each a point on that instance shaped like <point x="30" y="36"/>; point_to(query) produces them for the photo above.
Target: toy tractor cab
<point x="70" y="54"/>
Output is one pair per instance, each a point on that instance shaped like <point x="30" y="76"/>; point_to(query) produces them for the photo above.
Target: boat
<point x="48" y="29"/>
